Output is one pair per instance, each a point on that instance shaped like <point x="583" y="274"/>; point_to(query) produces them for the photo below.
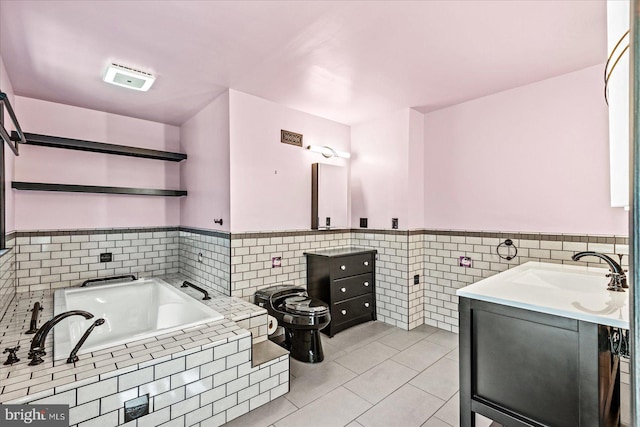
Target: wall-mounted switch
<point x="106" y="257"/>
<point x="394" y="223"/>
<point x="363" y="223"/>
<point x="328" y="221"/>
<point x="416" y="279"/>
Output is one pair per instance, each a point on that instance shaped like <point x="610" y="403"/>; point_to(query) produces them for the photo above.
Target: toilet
<point x="301" y="316"/>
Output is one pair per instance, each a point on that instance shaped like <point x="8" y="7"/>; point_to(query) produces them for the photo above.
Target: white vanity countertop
<point x="564" y="290"/>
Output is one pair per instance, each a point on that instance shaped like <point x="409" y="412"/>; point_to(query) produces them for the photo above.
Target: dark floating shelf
<point x="98" y="147"/>
<point x="70" y="188"/>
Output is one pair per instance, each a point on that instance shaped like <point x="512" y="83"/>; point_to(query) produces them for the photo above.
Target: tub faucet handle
<point x="36" y="357"/>
<point x="12" y="358"/>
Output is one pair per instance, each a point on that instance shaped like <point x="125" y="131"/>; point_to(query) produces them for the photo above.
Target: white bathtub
<point x="132" y="311"/>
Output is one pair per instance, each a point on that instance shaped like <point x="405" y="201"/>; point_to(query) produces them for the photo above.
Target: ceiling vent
<point x="128" y="77"/>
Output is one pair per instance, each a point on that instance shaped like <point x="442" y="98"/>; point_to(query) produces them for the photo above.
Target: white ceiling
<point x="348" y="61"/>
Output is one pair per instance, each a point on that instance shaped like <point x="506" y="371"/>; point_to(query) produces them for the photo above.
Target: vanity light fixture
<point x="128" y="77"/>
<point x="328" y="152"/>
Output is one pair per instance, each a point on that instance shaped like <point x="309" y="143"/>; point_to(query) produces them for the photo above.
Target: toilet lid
<point x="305" y="305"/>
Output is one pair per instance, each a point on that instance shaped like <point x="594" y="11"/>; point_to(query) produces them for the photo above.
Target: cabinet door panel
<point x="526" y="367"/>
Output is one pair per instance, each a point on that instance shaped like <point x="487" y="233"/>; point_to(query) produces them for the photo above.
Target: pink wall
<point x="5" y="86"/>
<point x="271" y="181"/>
<point x="534" y="158"/>
<point x="205" y="174"/>
<point x="379" y="170"/>
<point x="45" y="211"/>
<point x="415" y="202"/>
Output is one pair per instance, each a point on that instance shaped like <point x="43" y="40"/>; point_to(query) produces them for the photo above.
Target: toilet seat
<point x="305" y="305"/>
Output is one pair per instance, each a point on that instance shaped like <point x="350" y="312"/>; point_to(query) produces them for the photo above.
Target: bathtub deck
<point x="191" y="355"/>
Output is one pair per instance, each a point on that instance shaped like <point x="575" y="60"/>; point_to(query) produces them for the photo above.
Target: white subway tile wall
<point x="416" y="291"/>
<point x="63" y="259"/>
<point x="444" y="275"/>
<point x="252" y="255"/>
<point x="392" y="274"/>
<point x="7" y="276"/>
<point x="239" y="264"/>
<point x="205" y="257"/>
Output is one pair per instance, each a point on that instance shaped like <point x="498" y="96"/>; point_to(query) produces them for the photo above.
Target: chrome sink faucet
<point x="37" y="344"/>
<point x="618" y="282"/>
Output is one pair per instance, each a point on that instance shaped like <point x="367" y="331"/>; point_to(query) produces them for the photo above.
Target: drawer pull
<point x="343" y="289"/>
<point x="343" y="312"/>
<point x="366" y="263"/>
<point x="343" y="267"/>
<point x="366" y="304"/>
<point x="366" y="283"/>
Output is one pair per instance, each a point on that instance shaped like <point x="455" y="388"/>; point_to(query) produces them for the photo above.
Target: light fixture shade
<point x="328" y="152"/>
<point x="130" y="78"/>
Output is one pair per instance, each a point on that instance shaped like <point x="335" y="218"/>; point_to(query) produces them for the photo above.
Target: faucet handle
<point x="36" y="352"/>
<point x="36" y="356"/>
<point x="12" y="358"/>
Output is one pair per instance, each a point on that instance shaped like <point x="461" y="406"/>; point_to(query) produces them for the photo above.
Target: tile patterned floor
<point x="373" y="375"/>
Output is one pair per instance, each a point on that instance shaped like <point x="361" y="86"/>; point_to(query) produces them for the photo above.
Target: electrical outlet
<point x="416" y="279"/>
<point x="394" y="223"/>
<point x="363" y="222"/>
<point x="466" y="261"/>
<point x="328" y="221"/>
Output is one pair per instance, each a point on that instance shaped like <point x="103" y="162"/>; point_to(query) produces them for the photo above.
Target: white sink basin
<point x="565" y="290"/>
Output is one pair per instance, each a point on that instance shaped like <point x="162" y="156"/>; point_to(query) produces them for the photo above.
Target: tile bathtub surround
<point x="7" y="276"/>
<point x="245" y="314"/>
<point x="202" y="373"/>
<point x="59" y="259"/>
<point x="213" y="268"/>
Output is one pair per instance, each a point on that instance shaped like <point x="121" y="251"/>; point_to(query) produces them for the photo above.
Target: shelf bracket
<point x="4" y="134"/>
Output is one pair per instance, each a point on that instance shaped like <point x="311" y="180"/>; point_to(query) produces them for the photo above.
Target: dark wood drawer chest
<point x="345" y="279"/>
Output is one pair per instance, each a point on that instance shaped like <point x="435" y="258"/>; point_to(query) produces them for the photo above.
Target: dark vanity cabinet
<point x="345" y="279"/>
<point x="525" y="368"/>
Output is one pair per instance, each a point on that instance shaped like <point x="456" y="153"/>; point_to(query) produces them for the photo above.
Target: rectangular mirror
<point x="328" y="196"/>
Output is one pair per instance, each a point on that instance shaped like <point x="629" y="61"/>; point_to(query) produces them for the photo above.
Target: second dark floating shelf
<point x="71" y="188"/>
<point x="99" y="147"/>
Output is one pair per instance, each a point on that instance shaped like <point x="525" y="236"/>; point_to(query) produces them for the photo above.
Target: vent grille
<point x="292" y="138"/>
<point x="132" y="69"/>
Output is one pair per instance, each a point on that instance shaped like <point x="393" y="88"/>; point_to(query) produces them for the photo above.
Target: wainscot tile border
<point x="582" y="238"/>
<point x="205" y="232"/>
<point x="269" y="234"/>
<point x="92" y="231"/>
